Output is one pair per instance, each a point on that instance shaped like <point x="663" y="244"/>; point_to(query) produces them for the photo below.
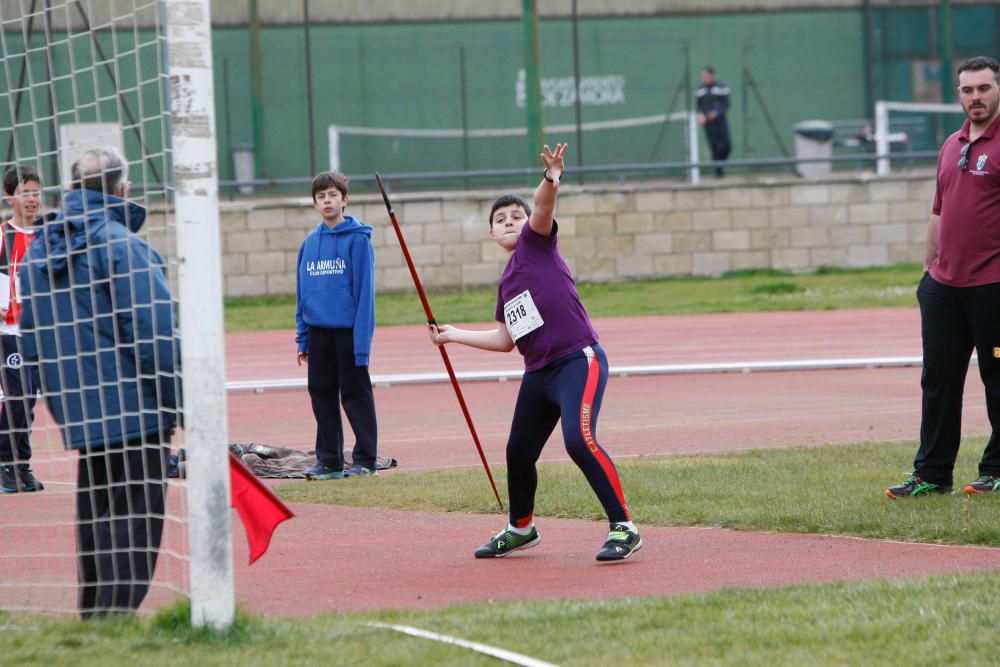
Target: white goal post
<point x="883" y="133"/>
<point x="199" y="259"/>
<point x="688" y="119"/>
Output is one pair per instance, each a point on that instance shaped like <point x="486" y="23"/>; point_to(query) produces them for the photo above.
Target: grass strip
<point x="835" y="490"/>
<point x="932" y="620"/>
<point x="741" y="291"/>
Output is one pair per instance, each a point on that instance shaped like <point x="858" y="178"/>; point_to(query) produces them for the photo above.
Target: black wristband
<point x="545" y="175"/>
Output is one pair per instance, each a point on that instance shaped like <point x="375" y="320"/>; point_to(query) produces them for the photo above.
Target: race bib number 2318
<point x="521" y="315"/>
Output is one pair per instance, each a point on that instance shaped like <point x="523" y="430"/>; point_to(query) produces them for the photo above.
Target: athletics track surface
<point x="422" y="426"/>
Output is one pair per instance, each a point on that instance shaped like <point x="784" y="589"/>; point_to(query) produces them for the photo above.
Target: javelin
<point x="430" y="320"/>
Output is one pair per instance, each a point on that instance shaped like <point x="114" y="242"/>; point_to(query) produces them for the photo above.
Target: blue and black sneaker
<point x="360" y="471"/>
<point x="320" y="471"/>
<point x="8" y="478"/>
<point x="914" y="486"/>
<point x="507" y="542"/>
<point x="18" y="478"/>
<point x="27" y="479"/>
<point x="622" y="542"/>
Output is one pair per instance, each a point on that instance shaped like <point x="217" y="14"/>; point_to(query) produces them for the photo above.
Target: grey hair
<point x="100" y="169"/>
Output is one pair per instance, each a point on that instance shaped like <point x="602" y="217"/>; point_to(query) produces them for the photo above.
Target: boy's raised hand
<point x="553" y="161"/>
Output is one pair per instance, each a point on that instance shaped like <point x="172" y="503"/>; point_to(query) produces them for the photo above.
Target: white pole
<point x="694" y="153"/>
<point x="333" y="134"/>
<point x="200" y="299"/>
<point x="882" y="137"/>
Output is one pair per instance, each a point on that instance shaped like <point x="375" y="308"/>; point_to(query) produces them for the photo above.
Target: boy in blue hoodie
<point x="334" y="325"/>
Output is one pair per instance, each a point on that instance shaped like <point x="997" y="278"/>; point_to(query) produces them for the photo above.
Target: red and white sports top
<point x="14" y="242"/>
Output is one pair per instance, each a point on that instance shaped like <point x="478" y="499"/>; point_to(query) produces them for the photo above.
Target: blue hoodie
<point x="335" y="285"/>
<point x="98" y="325"/>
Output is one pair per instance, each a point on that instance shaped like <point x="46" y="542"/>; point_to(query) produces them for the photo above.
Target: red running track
<point x="629" y="341"/>
<point x="422" y="426"/>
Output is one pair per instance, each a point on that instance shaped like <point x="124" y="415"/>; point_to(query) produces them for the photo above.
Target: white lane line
<point x="259" y="386"/>
<point x="499" y="653"/>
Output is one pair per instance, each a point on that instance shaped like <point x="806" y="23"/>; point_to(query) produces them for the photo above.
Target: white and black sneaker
<point x="621" y="543"/>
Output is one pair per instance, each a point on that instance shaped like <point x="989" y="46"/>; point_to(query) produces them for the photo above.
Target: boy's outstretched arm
<point x="545" y="193"/>
<point x="493" y="340"/>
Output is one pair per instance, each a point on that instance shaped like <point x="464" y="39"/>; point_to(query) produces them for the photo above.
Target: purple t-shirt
<point x="537" y="268"/>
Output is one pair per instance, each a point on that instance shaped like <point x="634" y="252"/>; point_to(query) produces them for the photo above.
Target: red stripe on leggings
<point x="586" y="407"/>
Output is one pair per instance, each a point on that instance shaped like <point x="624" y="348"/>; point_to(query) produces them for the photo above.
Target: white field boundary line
<point x="259" y="386"/>
<point x="486" y="649"/>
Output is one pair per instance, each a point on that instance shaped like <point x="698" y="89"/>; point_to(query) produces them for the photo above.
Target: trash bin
<point x="813" y="139"/>
<point x="243" y="166"/>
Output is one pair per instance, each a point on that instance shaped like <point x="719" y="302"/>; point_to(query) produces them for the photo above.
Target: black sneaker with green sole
<point x="507" y="542"/>
<point x="621" y="543"/>
<point x="914" y="486"/>
<point x="985" y="484"/>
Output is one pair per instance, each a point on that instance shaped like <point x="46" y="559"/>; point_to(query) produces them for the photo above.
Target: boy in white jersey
<point x="23" y="192"/>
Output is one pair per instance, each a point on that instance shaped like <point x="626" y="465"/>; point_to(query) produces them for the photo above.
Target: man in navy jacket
<point x="713" y="110"/>
<point x="98" y="330"/>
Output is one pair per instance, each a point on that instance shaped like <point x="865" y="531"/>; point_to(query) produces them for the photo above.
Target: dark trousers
<point x="570" y="389"/>
<point x="953" y="322"/>
<point x="334" y="379"/>
<point x="120" y="505"/>
<point x="18" y="403"/>
<point x="719" y="143"/>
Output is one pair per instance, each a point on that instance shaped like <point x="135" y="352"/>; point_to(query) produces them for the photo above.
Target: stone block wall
<point x="607" y="232"/>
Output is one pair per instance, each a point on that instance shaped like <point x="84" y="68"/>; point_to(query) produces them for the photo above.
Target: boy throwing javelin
<point x="539" y="311"/>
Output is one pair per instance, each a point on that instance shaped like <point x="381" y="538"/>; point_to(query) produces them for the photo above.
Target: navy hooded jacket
<point x="98" y="325"/>
<point x="335" y="285"/>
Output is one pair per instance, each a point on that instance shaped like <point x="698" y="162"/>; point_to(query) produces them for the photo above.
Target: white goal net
<point x="109" y="208"/>
<point x="655" y="138"/>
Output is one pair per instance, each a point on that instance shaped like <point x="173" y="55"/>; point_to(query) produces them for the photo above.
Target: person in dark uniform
<point x="713" y="107"/>
<point x="959" y="293"/>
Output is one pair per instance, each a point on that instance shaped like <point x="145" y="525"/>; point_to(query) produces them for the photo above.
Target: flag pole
<point x="431" y="320"/>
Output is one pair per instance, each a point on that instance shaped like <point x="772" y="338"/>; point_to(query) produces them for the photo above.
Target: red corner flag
<point x="260" y="510"/>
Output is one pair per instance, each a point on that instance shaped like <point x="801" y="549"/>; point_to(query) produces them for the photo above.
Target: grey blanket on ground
<point x="284" y="462"/>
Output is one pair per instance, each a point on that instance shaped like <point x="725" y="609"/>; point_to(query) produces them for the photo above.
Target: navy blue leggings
<point x="570" y="388"/>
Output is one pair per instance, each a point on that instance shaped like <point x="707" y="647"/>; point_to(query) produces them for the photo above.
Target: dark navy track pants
<point x="120" y="510"/>
<point x="569" y="389"/>
<point x="333" y="380"/>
